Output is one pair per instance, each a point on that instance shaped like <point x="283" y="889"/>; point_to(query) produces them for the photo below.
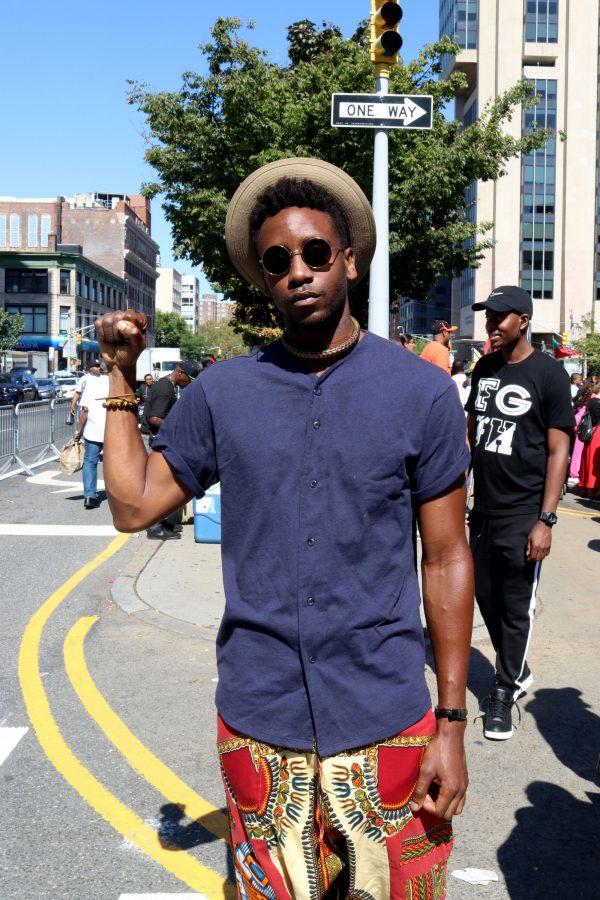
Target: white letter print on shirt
<point x="512" y="400"/>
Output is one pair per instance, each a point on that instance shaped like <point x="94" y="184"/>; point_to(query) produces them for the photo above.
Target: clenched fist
<point x="121" y="338"/>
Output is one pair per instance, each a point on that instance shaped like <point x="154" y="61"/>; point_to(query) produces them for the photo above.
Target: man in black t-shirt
<point x="520" y="416"/>
<point x="159" y="402"/>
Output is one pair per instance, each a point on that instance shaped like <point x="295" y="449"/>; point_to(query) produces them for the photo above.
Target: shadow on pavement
<point x="568" y="725"/>
<point x="481" y="674"/>
<point x="552" y="850"/>
<point x="174" y="835"/>
<point x="594" y="545"/>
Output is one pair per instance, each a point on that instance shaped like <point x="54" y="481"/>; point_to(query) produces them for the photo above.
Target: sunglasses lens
<point x="276" y="260"/>
<point x="316" y="253"/>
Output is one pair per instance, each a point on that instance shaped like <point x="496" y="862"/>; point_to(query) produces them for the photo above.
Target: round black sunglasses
<point x="317" y="253"/>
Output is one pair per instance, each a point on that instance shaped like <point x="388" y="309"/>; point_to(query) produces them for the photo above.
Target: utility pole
<point x="385" y="44"/>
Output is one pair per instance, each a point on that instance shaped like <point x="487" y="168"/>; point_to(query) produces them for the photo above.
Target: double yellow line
<point x="120" y="817"/>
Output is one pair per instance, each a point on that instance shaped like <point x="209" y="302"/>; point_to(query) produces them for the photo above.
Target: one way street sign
<point x="381" y="111"/>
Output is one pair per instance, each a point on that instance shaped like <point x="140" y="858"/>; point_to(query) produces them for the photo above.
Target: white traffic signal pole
<point x="379" y="284"/>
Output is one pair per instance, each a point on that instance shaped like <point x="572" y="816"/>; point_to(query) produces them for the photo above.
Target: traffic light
<point x="566" y="336"/>
<point x="79" y="338"/>
<point x="385" y="39"/>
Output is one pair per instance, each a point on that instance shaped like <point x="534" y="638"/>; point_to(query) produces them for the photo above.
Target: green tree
<point x="171" y="329"/>
<point x="206" y="137"/>
<point x="590" y="345"/>
<point x="222" y="335"/>
<point x="11" y="329"/>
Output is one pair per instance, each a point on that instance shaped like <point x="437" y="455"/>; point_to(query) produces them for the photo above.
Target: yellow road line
<point x="139" y="757"/>
<point x="119" y="816"/>
<point x="578" y="512"/>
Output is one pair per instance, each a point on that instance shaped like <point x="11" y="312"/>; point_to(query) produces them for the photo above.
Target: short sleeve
<point x="557" y="404"/>
<point x="161" y="402"/>
<point x="80" y="385"/>
<point x="187" y="441"/>
<point x="444" y="455"/>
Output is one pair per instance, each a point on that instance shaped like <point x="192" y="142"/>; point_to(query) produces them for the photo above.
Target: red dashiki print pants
<point x="306" y="828"/>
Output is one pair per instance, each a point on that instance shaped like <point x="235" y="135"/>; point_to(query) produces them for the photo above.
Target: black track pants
<point x="505" y="587"/>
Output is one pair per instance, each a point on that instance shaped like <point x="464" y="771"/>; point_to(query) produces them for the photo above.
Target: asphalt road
<point x="53" y="842"/>
<point x="88" y="812"/>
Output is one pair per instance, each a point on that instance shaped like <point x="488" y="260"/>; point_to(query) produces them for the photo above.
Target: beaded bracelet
<point x="122" y="402"/>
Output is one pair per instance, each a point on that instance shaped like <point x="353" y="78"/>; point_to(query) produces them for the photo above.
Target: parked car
<point x="65" y="385"/>
<point x="18" y="387"/>
<point x="48" y="388"/>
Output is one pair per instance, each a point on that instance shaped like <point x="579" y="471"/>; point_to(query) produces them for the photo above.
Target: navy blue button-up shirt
<point x="321" y="636"/>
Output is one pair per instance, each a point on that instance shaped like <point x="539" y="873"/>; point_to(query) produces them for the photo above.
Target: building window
<point x="458" y="20"/>
<point x="32" y="230"/>
<point x="100" y="292"/>
<point x="35" y="318"/>
<point x="541" y="21"/>
<point x="86" y="288"/>
<point x="79" y="319"/>
<point x="538" y="198"/>
<point x="2" y="230"/>
<point x="26" y="281"/>
<point x="65" y="281"/>
<point x="15" y="230"/>
<point x="78" y="284"/>
<point x="93" y="290"/>
<point x="45" y="229"/>
<point x="65" y="320"/>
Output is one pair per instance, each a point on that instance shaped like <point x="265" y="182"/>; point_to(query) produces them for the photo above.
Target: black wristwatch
<point x="548" y="518"/>
<point x="457" y="714"/>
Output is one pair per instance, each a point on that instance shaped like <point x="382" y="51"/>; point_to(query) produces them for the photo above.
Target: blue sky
<point x="65" y="121"/>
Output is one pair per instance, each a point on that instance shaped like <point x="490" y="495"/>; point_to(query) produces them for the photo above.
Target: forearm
<point x="448" y="603"/>
<point x="556" y="469"/>
<point x="82" y="420"/>
<point x="125" y="457"/>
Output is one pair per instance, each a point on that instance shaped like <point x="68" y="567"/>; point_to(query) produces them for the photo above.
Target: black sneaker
<point x="497" y="723"/>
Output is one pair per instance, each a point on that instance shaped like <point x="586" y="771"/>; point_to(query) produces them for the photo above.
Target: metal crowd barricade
<point x="7" y="438"/>
<point x="33" y="431"/>
<point x="62" y="432"/>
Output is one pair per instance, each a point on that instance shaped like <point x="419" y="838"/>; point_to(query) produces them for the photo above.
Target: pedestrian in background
<point x="92" y="418"/>
<point x="437" y="351"/>
<point x="407" y="341"/>
<point x="576" y="383"/>
<point x="94" y="369"/>
<point x="580" y="399"/>
<point x="520" y="417"/>
<point x="460" y="380"/>
<point x="160" y="401"/>
<point x="589" y="473"/>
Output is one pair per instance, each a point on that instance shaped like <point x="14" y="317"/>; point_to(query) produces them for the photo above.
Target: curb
<point x="123" y="593"/>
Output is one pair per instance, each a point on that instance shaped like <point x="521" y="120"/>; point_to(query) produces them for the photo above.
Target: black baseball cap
<point x="508" y="298"/>
<point x="190" y="367"/>
<point x="95" y="363"/>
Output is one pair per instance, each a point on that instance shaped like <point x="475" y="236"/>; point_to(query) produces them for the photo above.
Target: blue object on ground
<point x="207" y="517"/>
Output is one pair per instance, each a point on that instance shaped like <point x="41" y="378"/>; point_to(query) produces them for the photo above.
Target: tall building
<point x="545" y="209"/>
<point x="115" y="231"/>
<point x="417" y="316"/>
<point x="54" y="286"/>
<point x="168" y="290"/>
<point x="214" y="310"/>
<point x="189" y="302"/>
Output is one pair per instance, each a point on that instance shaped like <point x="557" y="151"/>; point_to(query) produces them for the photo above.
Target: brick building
<point x="211" y="309"/>
<point x="115" y="231"/>
<point x="54" y="286"/>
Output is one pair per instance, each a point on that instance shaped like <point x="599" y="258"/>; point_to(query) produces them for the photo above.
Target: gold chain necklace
<point x="330" y="351"/>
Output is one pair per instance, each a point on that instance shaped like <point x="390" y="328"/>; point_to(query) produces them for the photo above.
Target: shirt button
<point x="313" y="483"/>
<point x="316" y="424"/>
<point x="317" y="391"/>
<point x="312" y="659"/>
<point x="311" y="542"/>
<point x="310" y="601"/>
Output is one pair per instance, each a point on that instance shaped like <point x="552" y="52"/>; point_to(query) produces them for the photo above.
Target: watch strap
<point x="454" y="714"/>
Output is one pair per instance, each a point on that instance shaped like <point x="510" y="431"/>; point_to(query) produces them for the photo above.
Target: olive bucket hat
<point x="354" y="205"/>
